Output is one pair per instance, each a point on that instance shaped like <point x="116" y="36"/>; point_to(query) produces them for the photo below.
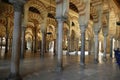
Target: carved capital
<point x="105" y="34"/>
<point x="61" y="19"/>
<point x="96" y="32"/>
<point x="18" y="4"/>
<point x="18" y="7"/>
<point x="23" y="28"/>
<point x="83" y="28"/>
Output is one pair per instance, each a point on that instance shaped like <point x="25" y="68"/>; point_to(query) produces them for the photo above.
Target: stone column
<point x="0" y="46"/>
<point x="96" y="53"/>
<point x="119" y="44"/>
<point x="54" y="46"/>
<point x="105" y="47"/>
<point x="62" y="7"/>
<point x="23" y="42"/>
<point x="68" y="43"/>
<point x="15" y="58"/>
<point x="1" y="42"/>
<point x="7" y="34"/>
<point x="35" y="41"/>
<point x="115" y="45"/>
<point x="33" y="44"/>
<point x="43" y="44"/>
<point x="10" y="45"/>
<point x="84" y="15"/>
<point x="60" y="21"/>
<point x="89" y="47"/>
<point x="111" y="47"/>
<point x="77" y="42"/>
<point x="82" y="56"/>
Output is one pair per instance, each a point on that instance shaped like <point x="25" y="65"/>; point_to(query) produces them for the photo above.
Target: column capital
<point x="61" y="18"/>
<point x="24" y="28"/>
<point x="105" y="34"/>
<point x="97" y="30"/>
<point x="83" y="28"/>
<point x="18" y="4"/>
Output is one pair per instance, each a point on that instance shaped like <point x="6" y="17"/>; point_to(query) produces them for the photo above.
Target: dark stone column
<point x="76" y="42"/>
<point x="96" y="60"/>
<point x="82" y="56"/>
<point x="68" y="43"/>
<point x="1" y="42"/>
<point x="7" y="34"/>
<point x="10" y="45"/>
<point x="35" y="41"/>
<point x="15" y="58"/>
<point x="89" y="47"/>
<point x="56" y="42"/>
<point x="43" y="47"/>
<point x="54" y="46"/>
<point x="32" y="46"/>
<point x="105" y="48"/>
<point x="111" y="47"/>
<point x="23" y="43"/>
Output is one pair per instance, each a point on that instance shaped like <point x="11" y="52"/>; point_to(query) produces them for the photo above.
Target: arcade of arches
<point x="56" y="27"/>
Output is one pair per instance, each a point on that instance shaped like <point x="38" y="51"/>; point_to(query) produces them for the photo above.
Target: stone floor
<point x="35" y="68"/>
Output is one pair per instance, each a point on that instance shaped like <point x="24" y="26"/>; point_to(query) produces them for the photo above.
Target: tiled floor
<point x="36" y="68"/>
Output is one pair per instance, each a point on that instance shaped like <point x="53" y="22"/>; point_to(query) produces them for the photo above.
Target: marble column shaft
<point x="111" y="47"/>
<point x="7" y="34"/>
<point x="82" y="56"/>
<point x="115" y="45"/>
<point x="54" y="46"/>
<point x="35" y="41"/>
<point x="10" y="45"/>
<point x="119" y="44"/>
<point x="59" y="42"/>
<point x="1" y="42"/>
<point x="68" y="43"/>
<point x="15" y="59"/>
<point x="23" y="42"/>
<point x="96" y="54"/>
<point x="89" y="47"/>
<point x="43" y="47"/>
<point x="105" y="46"/>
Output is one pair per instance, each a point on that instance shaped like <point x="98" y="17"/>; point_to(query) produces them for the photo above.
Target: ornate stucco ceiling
<point x="117" y="2"/>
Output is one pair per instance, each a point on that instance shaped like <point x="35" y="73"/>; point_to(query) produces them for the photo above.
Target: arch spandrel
<point x="2" y="30"/>
<point x="38" y="5"/>
<point x="51" y="21"/>
<point x="35" y="17"/>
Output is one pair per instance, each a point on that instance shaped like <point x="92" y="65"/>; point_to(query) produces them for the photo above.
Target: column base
<point x="89" y="53"/>
<point x="82" y="64"/>
<point x="67" y="53"/>
<point x="59" y="69"/>
<point x="41" y="55"/>
<point x="76" y="53"/>
<point x="14" y="77"/>
<point x="21" y="57"/>
<point x="54" y="54"/>
<point x="96" y="61"/>
<point x="35" y="51"/>
<point x="104" y="59"/>
<point x="111" y="56"/>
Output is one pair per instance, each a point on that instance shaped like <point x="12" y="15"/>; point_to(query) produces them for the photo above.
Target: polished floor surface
<point x="33" y="67"/>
